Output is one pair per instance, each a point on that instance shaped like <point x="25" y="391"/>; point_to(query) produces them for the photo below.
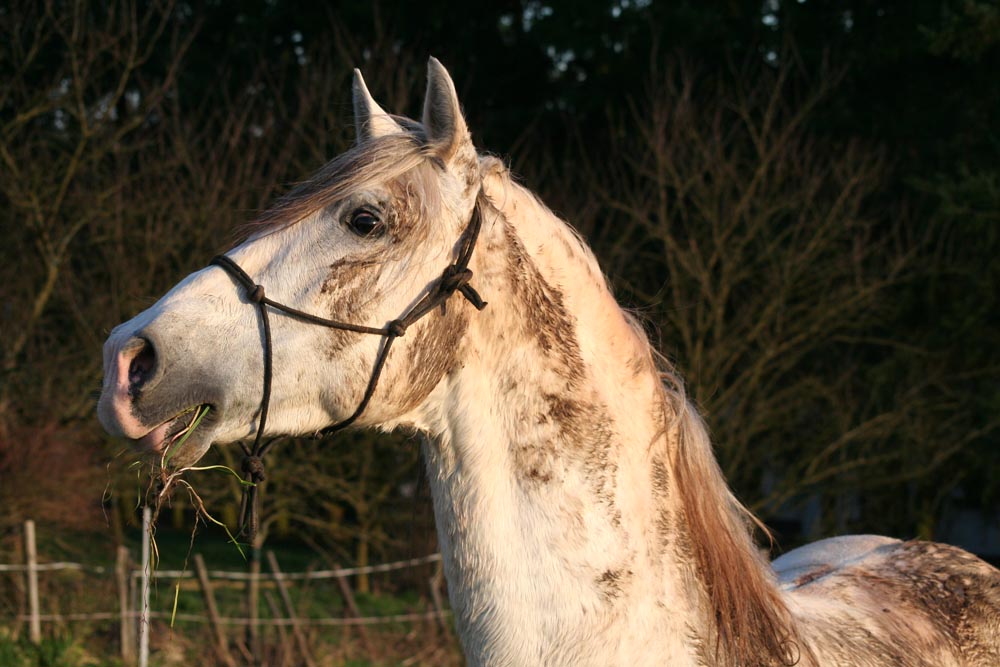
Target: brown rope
<point x="454" y="278"/>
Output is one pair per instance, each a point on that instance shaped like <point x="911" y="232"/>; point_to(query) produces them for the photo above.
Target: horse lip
<point x="161" y="436"/>
<point x="156" y="438"/>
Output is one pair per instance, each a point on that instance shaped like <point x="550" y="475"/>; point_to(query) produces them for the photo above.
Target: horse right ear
<point x="443" y="121"/>
<point x="370" y="120"/>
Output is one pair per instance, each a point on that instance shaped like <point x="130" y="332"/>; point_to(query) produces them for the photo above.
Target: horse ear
<point x="443" y="121"/>
<point x="370" y="120"/>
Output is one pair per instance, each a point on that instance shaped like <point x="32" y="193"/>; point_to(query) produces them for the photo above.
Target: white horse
<point x="582" y="516"/>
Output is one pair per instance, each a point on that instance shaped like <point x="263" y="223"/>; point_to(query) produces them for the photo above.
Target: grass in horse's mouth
<point x="178" y="439"/>
<point x="169" y="478"/>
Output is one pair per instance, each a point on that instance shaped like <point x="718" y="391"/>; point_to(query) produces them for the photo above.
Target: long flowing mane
<point x="747" y="611"/>
<point x="750" y="616"/>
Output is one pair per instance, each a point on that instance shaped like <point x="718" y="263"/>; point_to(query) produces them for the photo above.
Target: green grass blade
<point x="194" y="425"/>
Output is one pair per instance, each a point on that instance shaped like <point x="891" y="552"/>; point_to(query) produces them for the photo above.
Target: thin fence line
<point x="229" y="620"/>
<point x="46" y="567"/>
<point x="82" y="616"/>
<point x="316" y="574"/>
<point x="239" y="576"/>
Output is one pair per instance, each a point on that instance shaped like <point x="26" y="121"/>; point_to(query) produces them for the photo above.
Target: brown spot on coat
<point x="660" y="478"/>
<point x="533" y="463"/>
<point x="812" y="576"/>
<point x="349" y="305"/>
<point x="542" y="312"/>
<point x="351" y="285"/>
<point x="610" y="584"/>
<point x="432" y="353"/>
<point x="346" y="271"/>
<point x="539" y="476"/>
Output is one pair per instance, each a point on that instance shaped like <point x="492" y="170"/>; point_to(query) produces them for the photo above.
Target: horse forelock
<point x="402" y="161"/>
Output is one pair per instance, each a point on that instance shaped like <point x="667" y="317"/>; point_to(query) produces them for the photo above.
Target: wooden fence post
<point x="133" y="609"/>
<point x="253" y="601"/>
<point x="290" y="608"/>
<point x="31" y="556"/>
<point x="147" y="515"/>
<point x="353" y="611"/>
<point x="286" y="646"/>
<point x="126" y="634"/>
<point x="221" y="645"/>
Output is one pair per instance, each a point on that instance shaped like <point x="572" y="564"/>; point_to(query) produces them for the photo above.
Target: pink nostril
<point x="141" y="359"/>
<point x="132" y="365"/>
<point x="141" y="366"/>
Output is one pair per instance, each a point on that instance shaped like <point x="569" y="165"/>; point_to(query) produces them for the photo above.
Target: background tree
<point x="802" y="198"/>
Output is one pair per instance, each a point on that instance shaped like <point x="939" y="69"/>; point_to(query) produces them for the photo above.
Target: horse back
<point x="869" y="601"/>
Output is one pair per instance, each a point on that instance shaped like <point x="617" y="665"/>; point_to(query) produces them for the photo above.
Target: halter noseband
<point x="454" y="278"/>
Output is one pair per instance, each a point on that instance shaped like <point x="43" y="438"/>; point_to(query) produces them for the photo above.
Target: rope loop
<point x="253" y="466"/>
<point x="396" y="328"/>
<point x="453" y="279"/>
<point x="472" y="296"/>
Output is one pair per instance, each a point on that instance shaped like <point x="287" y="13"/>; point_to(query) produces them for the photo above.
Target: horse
<point x="580" y="511"/>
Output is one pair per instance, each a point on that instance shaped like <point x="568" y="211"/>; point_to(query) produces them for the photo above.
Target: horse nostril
<point x="141" y="367"/>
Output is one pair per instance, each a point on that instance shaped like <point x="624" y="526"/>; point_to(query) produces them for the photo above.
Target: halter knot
<point x="253" y="466"/>
<point x="257" y="295"/>
<point x="456" y="279"/>
<point x="396" y="328"/>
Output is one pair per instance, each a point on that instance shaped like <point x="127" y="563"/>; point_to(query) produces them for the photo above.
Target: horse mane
<point x="753" y="623"/>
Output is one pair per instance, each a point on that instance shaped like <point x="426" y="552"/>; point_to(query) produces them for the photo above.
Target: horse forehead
<point x="396" y="164"/>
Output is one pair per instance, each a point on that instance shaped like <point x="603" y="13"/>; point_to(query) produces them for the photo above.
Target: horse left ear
<point x="370" y="120"/>
<point x="443" y="121"/>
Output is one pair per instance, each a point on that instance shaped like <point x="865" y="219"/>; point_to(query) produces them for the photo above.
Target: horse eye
<point x="365" y="223"/>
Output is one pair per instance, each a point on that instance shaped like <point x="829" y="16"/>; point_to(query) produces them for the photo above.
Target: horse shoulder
<point x="868" y="600"/>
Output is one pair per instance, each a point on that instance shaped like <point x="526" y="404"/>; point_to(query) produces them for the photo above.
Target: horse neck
<point x="561" y="468"/>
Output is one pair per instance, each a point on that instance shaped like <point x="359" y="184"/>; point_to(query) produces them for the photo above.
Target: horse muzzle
<point x="137" y="403"/>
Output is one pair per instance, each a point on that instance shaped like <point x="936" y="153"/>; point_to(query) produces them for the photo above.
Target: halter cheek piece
<point x="454" y="278"/>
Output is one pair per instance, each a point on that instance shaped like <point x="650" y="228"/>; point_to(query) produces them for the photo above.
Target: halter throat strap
<point x="454" y="278"/>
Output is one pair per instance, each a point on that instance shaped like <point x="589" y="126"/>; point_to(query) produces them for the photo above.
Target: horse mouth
<point x="183" y="433"/>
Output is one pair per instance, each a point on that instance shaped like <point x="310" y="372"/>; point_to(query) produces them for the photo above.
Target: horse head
<point x="363" y="243"/>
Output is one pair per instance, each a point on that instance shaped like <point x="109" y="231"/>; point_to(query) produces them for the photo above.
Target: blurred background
<point x="800" y="198"/>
